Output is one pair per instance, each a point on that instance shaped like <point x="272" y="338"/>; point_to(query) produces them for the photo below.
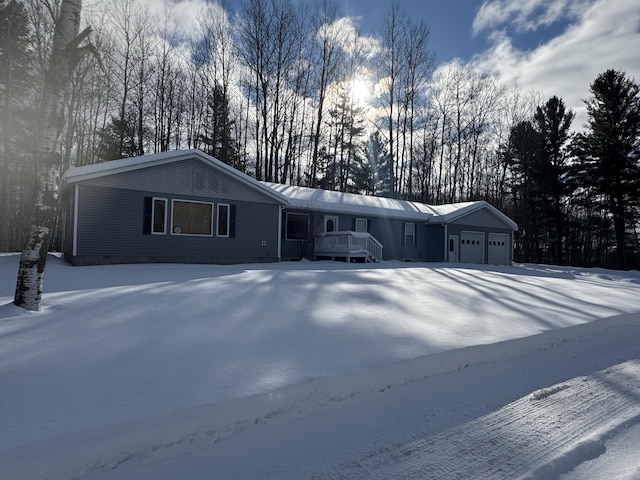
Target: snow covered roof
<point x="124" y="165"/>
<point x="298" y="197"/>
<point x="449" y="212"/>
<point x="351" y="203"/>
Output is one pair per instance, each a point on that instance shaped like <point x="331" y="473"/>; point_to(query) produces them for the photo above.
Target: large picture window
<point x="191" y="218"/>
<point x="297" y="227"/>
<point x="159" y="216"/>
<point x="223" y="220"/>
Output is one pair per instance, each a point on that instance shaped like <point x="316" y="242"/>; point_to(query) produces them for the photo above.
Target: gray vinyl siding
<point x="67" y="227"/>
<point x="111" y="221"/>
<point x="434" y="243"/>
<point x="481" y="218"/>
<point x="390" y="232"/>
<point x="192" y="177"/>
<point x="429" y="245"/>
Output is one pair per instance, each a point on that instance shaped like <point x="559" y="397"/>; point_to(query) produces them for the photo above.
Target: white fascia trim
<point x="75" y="220"/>
<point x="114" y="167"/>
<point x="279" y="233"/>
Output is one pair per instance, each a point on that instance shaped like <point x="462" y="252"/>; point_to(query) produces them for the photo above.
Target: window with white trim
<point x="223" y="217"/>
<point x="330" y="223"/>
<point x="191" y="218"/>
<point x="409" y="234"/>
<point x="159" y="216"/>
<point x="361" y="225"/>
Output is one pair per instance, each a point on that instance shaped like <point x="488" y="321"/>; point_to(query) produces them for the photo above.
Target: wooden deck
<point x="348" y="245"/>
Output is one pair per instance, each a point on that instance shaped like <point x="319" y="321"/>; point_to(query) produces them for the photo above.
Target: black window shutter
<point x="148" y="207"/>
<point x="403" y="235"/>
<point x="232" y="221"/>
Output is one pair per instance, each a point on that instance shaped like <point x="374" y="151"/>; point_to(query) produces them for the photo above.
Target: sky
<point x="549" y="47"/>
<point x="553" y="47"/>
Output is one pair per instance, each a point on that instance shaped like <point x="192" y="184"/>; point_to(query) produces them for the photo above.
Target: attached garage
<point x="471" y="247"/>
<point x="476" y="232"/>
<point x="498" y="249"/>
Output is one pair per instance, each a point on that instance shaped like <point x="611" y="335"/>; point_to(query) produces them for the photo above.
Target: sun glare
<point x="360" y="91"/>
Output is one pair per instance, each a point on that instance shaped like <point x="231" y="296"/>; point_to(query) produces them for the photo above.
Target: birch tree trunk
<point x="64" y="57"/>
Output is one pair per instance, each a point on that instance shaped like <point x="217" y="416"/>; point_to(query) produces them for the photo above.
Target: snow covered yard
<point x="132" y="364"/>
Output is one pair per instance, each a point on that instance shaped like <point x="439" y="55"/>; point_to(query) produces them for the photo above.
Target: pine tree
<point x="218" y="139"/>
<point x="381" y="166"/>
<point x="15" y="89"/>
<point x="552" y="122"/>
<point x="610" y="151"/>
<point x="522" y="154"/>
<point x="119" y="139"/>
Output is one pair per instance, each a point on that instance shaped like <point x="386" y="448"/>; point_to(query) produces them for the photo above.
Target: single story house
<point x="188" y="207"/>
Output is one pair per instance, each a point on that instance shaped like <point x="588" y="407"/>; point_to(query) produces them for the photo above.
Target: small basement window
<point x="191" y="218"/>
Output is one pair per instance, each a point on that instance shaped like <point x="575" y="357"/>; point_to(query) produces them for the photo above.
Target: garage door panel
<point x="498" y="248"/>
<point x="471" y="247"/>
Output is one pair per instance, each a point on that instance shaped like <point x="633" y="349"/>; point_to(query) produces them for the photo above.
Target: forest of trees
<point x="295" y="94"/>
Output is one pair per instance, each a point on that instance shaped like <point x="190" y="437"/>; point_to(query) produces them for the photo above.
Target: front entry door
<point x="452" y="248"/>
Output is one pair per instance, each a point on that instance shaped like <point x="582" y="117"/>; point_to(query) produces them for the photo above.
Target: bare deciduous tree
<point x="65" y="55"/>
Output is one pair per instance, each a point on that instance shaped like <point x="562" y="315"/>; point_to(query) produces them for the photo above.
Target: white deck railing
<point x="348" y="244"/>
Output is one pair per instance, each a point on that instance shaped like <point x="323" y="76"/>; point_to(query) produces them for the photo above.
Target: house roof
<point x="452" y="211"/>
<point x="351" y="203"/>
<point x="297" y="197"/>
<point x="78" y="174"/>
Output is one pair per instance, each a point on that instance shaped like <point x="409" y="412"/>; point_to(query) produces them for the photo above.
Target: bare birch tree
<point x="65" y="55"/>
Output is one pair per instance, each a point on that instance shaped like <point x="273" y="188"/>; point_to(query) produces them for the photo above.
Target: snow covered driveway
<point x="488" y="420"/>
<point x="539" y="436"/>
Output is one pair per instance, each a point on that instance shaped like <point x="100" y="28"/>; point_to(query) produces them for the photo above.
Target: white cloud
<point x="526" y="15"/>
<point x="606" y="35"/>
<point x="182" y="15"/>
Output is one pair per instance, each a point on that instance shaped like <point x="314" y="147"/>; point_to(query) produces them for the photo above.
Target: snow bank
<point x="151" y="440"/>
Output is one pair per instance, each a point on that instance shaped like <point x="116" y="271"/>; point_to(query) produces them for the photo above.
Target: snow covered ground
<point x="321" y="369"/>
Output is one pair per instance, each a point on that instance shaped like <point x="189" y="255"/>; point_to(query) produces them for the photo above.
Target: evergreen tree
<point x="610" y="151"/>
<point x="218" y="139"/>
<point x="552" y="122"/>
<point x="381" y="165"/>
<point x="15" y="92"/>
<point x="119" y="139"/>
<point x="522" y="154"/>
<point x="346" y="122"/>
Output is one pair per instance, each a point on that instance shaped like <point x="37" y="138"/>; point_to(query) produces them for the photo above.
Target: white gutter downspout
<point x="75" y="220"/>
<point x="446" y="242"/>
<point x="280" y="207"/>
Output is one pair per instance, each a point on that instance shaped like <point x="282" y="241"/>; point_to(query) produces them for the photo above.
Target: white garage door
<point x="472" y="247"/>
<point x="498" y="249"/>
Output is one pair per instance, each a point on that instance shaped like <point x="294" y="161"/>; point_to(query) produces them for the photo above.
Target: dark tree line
<point x="274" y="88"/>
<point x="576" y="197"/>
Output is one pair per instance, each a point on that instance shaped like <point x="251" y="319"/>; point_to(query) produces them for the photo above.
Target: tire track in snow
<point x="518" y="439"/>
